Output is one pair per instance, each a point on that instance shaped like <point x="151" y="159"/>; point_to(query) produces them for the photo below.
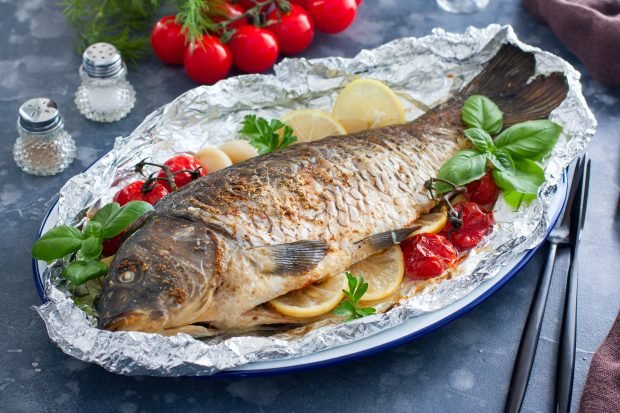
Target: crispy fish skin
<point x="218" y="248"/>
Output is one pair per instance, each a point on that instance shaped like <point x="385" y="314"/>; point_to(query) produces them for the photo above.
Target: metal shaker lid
<point x="102" y="60"/>
<point x="39" y="115"/>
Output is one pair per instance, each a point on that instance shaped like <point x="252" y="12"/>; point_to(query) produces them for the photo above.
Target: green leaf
<point x="106" y="214"/>
<point x="342" y="311"/>
<point x="265" y="136"/>
<point x="126" y="215"/>
<point x="526" y="179"/>
<point x="92" y="229"/>
<point x="57" y="242"/>
<point x="480" y="139"/>
<point x="502" y="161"/>
<point x="480" y="112"/>
<point x="464" y="167"/>
<point x="78" y="272"/>
<point x="363" y="287"/>
<point x="533" y="139"/>
<point x="91" y="248"/>
<point x="516" y="199"/>
<point x="351" y="280"/>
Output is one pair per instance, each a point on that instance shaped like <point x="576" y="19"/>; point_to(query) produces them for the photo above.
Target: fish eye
<point x="127" y="276"/>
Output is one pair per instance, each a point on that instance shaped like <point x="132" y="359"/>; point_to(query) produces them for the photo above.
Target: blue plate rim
<point x="298" y="368"/>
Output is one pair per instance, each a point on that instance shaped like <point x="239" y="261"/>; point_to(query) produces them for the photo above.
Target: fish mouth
<point x="134" y="320"/>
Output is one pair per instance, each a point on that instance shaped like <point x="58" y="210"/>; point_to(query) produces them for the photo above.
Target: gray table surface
<point x="465" y="366"/>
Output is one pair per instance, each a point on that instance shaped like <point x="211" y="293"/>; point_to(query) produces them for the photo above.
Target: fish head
<point x="162" y="277"/>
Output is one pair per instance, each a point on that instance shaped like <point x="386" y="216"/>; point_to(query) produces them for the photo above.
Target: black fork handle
<point x="529" y="339"/>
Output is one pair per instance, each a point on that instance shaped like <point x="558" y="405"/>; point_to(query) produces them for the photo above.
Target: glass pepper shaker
<point x="104" y="95"/>
<point x="43" y="147"/>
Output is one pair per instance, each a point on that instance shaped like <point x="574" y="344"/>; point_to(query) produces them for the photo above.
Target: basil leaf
<point x="91" y="248"/>
<point x="57" y="242"/>
<point x="92" y="229"/>
<point x="127" y="214"/>
<point x="78" y="272"/>
<point x="516" y="199"/>
<point x="106" y="214"/>
<point x="464" y="167"/>
<point x="481" y="139"/>
<point x="502" y="161"/>
<point x="533" y="139"/>
<point x="526" y="179"/>
<point x="480" y="112"/>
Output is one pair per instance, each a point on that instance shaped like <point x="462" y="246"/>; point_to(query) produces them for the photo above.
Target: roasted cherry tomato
<point x="168" y="41"/>
<point x="427" y="256"/>
<point x="254" y="50"/>
<point x="138" y="191"/>
<point x="294" y="30"/>
<point x="482" y="191"/>
<point x="185" y="169"/>
<point x="110" y="246"/>
<point x="476" y="224"/>
<point x="208" y="60"/>
<point x="332" y="16"/>
<point x="227" y="11"/>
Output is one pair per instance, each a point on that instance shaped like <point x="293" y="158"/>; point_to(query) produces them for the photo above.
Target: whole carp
<point x="213" y="253"/>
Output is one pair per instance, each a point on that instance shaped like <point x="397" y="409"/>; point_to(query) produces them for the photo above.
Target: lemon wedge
<point x="367" y="104"/>
<point x="431" y="223"/>
<point x="312" y="300"/>
<point x="383" y="272"/>
<point x="310" y="125"/>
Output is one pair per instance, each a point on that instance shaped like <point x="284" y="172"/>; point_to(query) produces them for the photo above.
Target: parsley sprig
<point x="266" y="136"/>
<point x="350" y="307"/>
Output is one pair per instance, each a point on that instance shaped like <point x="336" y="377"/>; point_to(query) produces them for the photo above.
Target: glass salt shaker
<point x="104" y="95"/>
<point x="43" y="147"/>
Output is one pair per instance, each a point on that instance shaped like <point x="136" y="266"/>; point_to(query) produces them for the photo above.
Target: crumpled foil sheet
<point x="424" y="71"/>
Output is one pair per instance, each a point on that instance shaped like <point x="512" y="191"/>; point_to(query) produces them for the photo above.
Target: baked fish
<point x="213" y="253"/>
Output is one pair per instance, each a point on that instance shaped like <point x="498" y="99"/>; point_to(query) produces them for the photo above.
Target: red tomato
<point x="294" y="30"/>
<point x="427" y="256"/>
<point x="332" y="16"/>
<point x="254" y="50"/>
<point x="482" y="191"/>
<point x="358" y="2"/>
<point x="301" y="3"/>
<point x="136" y="191"/>
<point x="110" y="246"/>
<point x="207" y="61"/>
<point x="227" y="11"/>
<point x="476" y="224"/>
<point x="168" y="41"/>
<point x="185" y="169"/>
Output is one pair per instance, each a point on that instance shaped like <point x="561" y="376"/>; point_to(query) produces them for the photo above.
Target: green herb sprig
<point x="350" y="307"/>
<point x="266" y="136"/>
<point x="513" y="154"/>
<point x="85" y="246"/>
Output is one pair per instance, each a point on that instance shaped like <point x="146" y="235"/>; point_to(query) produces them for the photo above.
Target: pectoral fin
<point x="388" y="238"/>
<point x="293" y="258"/>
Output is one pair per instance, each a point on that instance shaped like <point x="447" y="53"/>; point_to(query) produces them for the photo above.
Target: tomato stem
<point x="453" y="216"/>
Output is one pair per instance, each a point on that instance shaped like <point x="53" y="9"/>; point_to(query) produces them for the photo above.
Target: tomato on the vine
<point x="248" y="4"/>
<point x="168" y="41"/>
<point x="482" y="191"/>
<point x="427" y="256"/>
<point x="185" y="169"/>
<point x="332" y="16"/>
<point x="138" y="191"/>
<point x="253" y="49"/>
<point x="207" y="60"/>
<point x="301" y="3"/>
<point x="228" y="11"/>
<point x="110" y="246"/>
<point x="476" y="224"/>
<point x="294" y="30"/>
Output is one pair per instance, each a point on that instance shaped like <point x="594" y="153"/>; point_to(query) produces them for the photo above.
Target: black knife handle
<point x="529" y="339"/>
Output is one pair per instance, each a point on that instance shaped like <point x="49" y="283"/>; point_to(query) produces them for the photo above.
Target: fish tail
<point x="507" y="80"/>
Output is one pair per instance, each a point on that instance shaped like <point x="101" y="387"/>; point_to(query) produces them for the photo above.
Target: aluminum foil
<point x="424" y="71"/>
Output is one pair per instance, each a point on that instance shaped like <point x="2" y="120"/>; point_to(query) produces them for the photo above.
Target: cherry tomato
<point x="168" y="41"/>
<point x="427" y="256"/>
<point x="294" y="30"/>
<point x="254" y="50"/>
<point x="193" y="170"/>
<point x="476" y="224"/>
<point x="208" y="60"/>
<point x="248" y="4"/>
<point x="137" y="191"/>
<point x="301" y="3"/>
<point x="482" y="191"/>
<point x="110" y="246"/>
<point x="332" y="16"/>
<point x="225" y="11"/>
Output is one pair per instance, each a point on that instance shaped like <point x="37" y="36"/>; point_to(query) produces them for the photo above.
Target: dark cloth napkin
<point x="602" y="391"/>
<point x="589" y="28"/>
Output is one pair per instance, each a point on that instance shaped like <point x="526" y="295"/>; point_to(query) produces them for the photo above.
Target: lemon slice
<point x="312" y="300"/>
<point x="383" y="272"/>
<point x="367" y="104"/>
<point x="431" y="223"/>
<point x="310" y="125"/>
